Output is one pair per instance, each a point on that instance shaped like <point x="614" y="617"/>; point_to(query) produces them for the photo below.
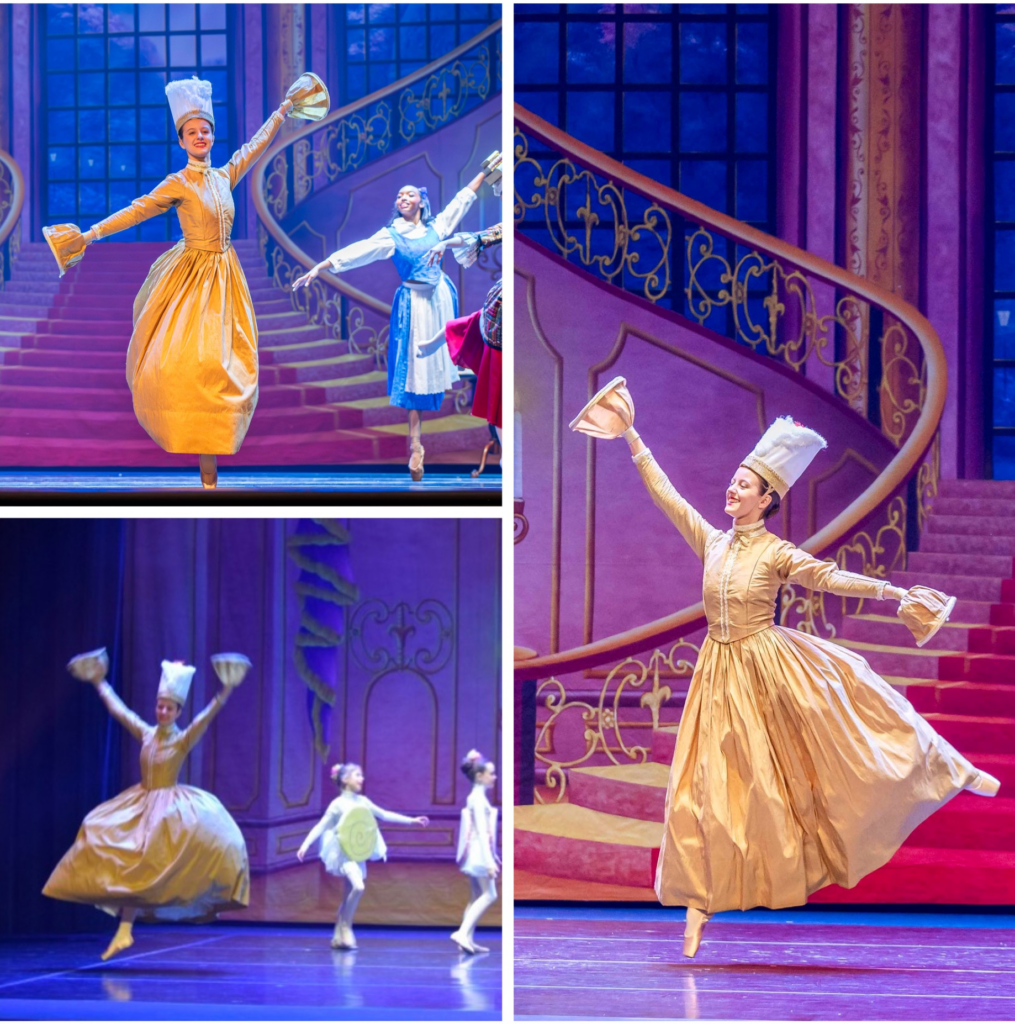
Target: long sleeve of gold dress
<point x="171" y="852"/>
<point x="796" y="765"/>
<point x="192" y="358"/>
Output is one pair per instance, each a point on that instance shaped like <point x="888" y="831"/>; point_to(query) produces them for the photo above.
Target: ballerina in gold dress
<point x="192" y="359"/>
<point x="796" y="765"/>
<point x="159" y="850"/>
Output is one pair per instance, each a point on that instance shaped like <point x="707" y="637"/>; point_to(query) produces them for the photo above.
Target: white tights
<point x="354" y="886"/>
<point x="484" y="895"/>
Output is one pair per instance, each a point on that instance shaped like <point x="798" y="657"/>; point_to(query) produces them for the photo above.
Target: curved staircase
<point x="64" y="399"/>
<point x="608" y="833"/>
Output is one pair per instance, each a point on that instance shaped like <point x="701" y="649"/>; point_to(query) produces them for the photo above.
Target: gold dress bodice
<point x="202" y="195"/>
<point x="744" y="567"/>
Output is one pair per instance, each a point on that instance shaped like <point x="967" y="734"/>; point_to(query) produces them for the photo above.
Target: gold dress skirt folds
<point x="168" y="851"/>
<point x="192" y="359"/>
<point x="796" y="765"/>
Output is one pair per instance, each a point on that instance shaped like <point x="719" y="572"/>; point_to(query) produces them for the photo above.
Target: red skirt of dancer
<point x="465" y="337"/>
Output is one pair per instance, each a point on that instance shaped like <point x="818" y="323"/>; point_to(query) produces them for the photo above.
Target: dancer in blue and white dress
<point x="349" y="779"/>
<point x="423" y="304"/>
<point x="477" y="849"/>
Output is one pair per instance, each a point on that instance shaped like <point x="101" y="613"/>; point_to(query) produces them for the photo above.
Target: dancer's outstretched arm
<point x="797" y="566"/>
<point x="398" y="819"/>
<point x="199" y="725"/>
<point x="246" y="156"/>
<point x="692" y="525"/>
<point x="133" y="723"/>
<point x="158" y="201"/>
<point x="329" y="820"/>
<point x="379" y="246"/>
<point x="447" y="220"/>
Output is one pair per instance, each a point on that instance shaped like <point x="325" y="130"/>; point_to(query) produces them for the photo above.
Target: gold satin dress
<point x="796" y="765"/>
<point x="192" y="359"/>
<point x="171" y="852"/>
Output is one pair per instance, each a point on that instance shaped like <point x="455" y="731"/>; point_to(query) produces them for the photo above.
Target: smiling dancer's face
<point x="197" y="138"/>
<point x="354" y="781"/>
<point x="745" y="501"/>
<point x="408" y="203"/>
<point x="166" y="711"/>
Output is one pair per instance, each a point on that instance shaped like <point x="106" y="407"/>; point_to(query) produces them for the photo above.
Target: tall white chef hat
<point x="175" y="681"/>
<point x="785" y="450"/>
<point x="190" y="97"/>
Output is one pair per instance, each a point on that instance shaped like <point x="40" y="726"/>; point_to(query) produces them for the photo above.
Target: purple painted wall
<point x="194" y="587"/>
<point x="701" y="402"/>
<point x="810" y="195"/>
<point x="361" y="202"/>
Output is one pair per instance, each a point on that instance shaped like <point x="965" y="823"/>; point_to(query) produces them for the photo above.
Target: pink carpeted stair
<point x="64" y="399"/>
<point x="964" y="683"/>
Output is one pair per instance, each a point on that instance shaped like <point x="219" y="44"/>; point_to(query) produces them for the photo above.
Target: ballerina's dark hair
<point x="340" y="771"/>
<point x="472" y="764"/>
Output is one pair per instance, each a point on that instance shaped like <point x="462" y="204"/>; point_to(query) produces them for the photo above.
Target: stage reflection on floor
<point x="251" y="972"/>
<point x="581" y="963"/>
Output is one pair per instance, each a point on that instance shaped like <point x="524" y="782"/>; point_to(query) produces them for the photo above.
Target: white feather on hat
<point x="785" y="450"/>
<point x="188" y="98"/>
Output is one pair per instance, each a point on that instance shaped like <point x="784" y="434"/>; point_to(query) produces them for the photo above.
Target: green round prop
<point x="357" y="833"/>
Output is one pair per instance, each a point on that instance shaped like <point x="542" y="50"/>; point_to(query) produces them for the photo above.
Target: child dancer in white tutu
<point x="477" y="849"/>
<point x="349" y="838"/>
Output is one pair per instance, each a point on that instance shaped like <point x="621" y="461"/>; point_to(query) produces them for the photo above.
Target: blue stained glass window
<point x="648" y="52"/>
<point x="397" y="39"/>
<point x="703" y="54"/>
<point x="702" y="122"/>
<point x="108" y="135"/>
<point x="693" y="98"/>
<point x="591" y="52"/>
<point x="592" y="119"/>
<point x="1000" y="290"/>
<point x="752" y="122"/>
<point x="647" y="118"/>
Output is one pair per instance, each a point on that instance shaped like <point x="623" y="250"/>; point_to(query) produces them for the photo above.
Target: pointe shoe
<point x="118" y="944"/>
<point x="696" y="921"/>
<point x="416" y="460"/>
<point x="463" y="943"/>
<point x="984" y="785"/>
<point x="209" y="472"/>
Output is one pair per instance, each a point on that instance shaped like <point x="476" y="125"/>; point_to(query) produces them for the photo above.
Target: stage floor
<point x="356" y="485"/>
<point x="251" y="972"/>
<point x="615" y="963"/>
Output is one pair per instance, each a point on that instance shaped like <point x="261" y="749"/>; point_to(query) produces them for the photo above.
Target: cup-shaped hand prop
<point x="67" y="245"/>
<point x="925" y="610"/>
<point x="230" y="668"/>
<point x="609" y="413"/>
<point x="92" y="667"/>
<point x="493" y="167"/>
<point x="309" y="96"/>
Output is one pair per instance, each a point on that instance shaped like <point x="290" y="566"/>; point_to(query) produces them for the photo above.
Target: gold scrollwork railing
<point x="602" y="724"/>
<point x="630" y="231"/>
<point x="869" y="535"/>
<point x="317" y="155"/>
<point x="12" y="199"/>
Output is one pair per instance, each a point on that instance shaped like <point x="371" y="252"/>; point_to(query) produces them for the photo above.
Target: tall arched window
<point x="381" y="43"/>
<point x="1000" y="237"/>
<point x="108" y="134"/>
<point x="683" y="93"/>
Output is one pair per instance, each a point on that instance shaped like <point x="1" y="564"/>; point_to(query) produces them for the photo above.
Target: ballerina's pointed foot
<point x="463" y="943"/>
<point x="209" y="472"/>
<point x="480" y="949"/>
<point x="416" y="461"/>
<point x="120" y="942"/>
<point x="696" y="921"/>
<point x="984" y="785"/>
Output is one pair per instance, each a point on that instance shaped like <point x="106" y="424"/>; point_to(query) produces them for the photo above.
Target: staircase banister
<point x="260" y="168"/>
<point x="892" y="476"/>
<point x="17" y="196"/>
